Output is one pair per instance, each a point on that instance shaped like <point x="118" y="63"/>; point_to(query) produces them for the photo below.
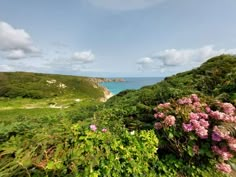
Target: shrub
<point x="197" y="132"/>
<point x="76" y="150"/>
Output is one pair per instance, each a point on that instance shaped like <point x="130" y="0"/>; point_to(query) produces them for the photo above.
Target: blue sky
<point x="111" y="38"/>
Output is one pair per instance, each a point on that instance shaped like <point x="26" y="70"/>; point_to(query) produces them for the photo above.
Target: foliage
<point x="75" y="150"/>
<point x="194" y="131"/>
<point x="214" y="78"/>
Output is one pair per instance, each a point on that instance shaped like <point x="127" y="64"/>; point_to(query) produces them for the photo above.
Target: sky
<point x="114" y="38"/>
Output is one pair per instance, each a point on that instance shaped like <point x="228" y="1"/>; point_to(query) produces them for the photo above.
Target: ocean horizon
<point x="130" y="83"/>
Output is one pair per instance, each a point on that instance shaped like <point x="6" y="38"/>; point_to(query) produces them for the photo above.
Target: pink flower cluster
<point x="199" y="123"/>
<point x="226" y="168"/>
<point x="200" y="118"/>
<point x="168" y="122"/>
<point x="184" y="100"/>
<point x="220" y="133"/>
<point x="164" y="105"/>
<point x="232" y="144"/>
<point x="222" y="152"/>
<point x="228" y="108"/>
<point x="94" y="128"/>
<point x="223" y="116"/>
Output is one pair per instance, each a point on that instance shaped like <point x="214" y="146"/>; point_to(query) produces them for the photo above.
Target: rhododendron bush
<point x="197" y="132"/>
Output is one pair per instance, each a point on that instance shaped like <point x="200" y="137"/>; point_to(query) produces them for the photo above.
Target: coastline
<point x="107" y="93"/>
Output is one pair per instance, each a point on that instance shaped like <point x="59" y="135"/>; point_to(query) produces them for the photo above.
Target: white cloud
<point x="16" y="42"/>
<point x="145" y="63"/>
<point x="125" y="4"/>
<point x="16" y="54"/>
<point x="175" y="57"/>
<point x="174" y="60"/>
<point x="83" y="57"/>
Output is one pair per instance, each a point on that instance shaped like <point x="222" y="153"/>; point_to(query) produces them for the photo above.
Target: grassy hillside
<point x="215" y="78"/>
<point x="37" y="86"/>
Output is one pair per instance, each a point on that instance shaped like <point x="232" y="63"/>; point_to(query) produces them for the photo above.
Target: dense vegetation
<point x="183" y="126"/>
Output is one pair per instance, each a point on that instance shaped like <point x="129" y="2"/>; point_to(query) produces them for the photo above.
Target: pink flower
<point x="196" y="124"/>
<point x="159" y="115"/>
<point x="223" y="152"/>
<point x="232" y="144"/>
<point x="202" y="133"/>
<point x="204" y="123"/>
<point x="193" y="116"/>
<point x="197" y="104"/>
<point x="228" y="108"/>
<point x="164" y="105"/>
<point x="208" y="109"/>
<point x="215" y="137"/>
<point x="187" y="127"/>
<point x="93" y="127"/>
<point x="184" y="100"/>
<point x="224" y="134"/>
<point x="158" y="125"/>
<point x="104" y="130"/>
<point x="195" y="98"/>
<point x="223" y="167"/>
<point x="203" y="115"/>
<point x="169" y="120"/>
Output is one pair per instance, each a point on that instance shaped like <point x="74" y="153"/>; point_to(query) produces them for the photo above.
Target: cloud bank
<point x="125" y="4"/>
<point x="16" y="43"/>
<point x="83" y="57"/>
<point x="182" y="57"/>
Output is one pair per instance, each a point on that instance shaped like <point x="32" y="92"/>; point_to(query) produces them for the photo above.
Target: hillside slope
<point x="35" y="85"/>
<point x="215" y="78"/>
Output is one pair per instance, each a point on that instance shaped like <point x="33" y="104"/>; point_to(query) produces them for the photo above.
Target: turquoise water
<point x="131" y="83"/>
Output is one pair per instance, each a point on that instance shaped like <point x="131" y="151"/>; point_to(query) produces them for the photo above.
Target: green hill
<point x="215" y="78"/>
<point x="37" y="86"/>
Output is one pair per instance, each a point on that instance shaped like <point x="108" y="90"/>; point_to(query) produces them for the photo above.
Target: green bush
<point x="75" y="150"/>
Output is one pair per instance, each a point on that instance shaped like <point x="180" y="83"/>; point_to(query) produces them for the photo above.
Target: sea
<point x="130" y="83"/>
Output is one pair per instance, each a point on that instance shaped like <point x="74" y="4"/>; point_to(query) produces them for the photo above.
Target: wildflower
<point x="104" y="130"/>
<point x="215" y="137"/>
<point x="193" y="116"/>
<point x="159" y="115"/>
<point x="158" y="125"/>
<point x="223" y="167"/>
<point x="202" y="132"/>
<point x="169" y="120"/>
<point x="187" y="127"/>
<point x="208" y="109"/>
<point x="204" y="123"/>
<point x="232" y="144"/>
<point x="228" y="108"/>
<point x="196" y="124"/>
<point x="93" y="127"/>
<point x="203" y="115"/>
<point x="185" y="100"/>
<point x="223" y="152"/>
<point x="164" y="105"/>
<point x="195" y="98"/>
<point x="224" y="134"/>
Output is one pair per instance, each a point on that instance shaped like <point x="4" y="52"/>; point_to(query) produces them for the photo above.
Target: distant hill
<point x="37" y="86"/>
<point x="215" y="78"/>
